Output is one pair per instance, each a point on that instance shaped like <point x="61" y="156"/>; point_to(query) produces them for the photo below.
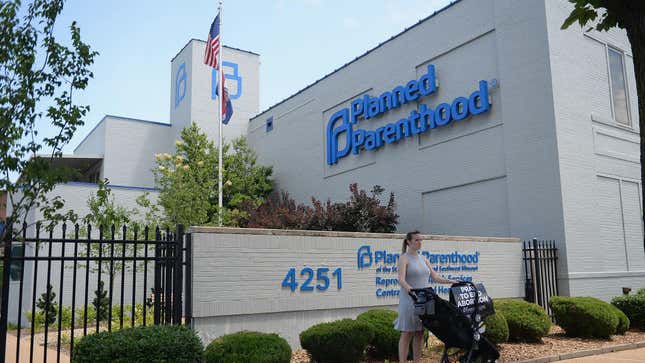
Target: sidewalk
<point x="632" y="355"/>
<point x="39" y="351"/>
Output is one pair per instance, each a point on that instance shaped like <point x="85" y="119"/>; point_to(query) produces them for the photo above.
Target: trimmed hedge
<point x="385" y="343"/>
<point x="526" y="322"/>
<point x="160" y="343"/>
<point x="584" y="316"/>
<point x="248" y="347"/>
<point x="339" y="341"/>
<point x="634" y="307"/>
<point x="496" y="328"/>
<point x="623" y="320"/>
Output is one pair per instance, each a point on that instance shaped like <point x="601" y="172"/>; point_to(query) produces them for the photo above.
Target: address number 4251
<point x="323" y="280"/>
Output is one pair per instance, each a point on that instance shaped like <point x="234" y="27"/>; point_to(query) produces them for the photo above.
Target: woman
<point x="414" y="272"/>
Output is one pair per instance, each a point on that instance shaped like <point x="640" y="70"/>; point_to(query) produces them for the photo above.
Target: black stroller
<point x="458" y="323"/>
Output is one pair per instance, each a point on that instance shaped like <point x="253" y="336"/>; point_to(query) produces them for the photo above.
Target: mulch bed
<point x="557" y="343"/>
<point x="554" y="343"/>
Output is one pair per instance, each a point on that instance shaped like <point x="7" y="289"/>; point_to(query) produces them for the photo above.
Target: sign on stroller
<point x="459" y="322"/>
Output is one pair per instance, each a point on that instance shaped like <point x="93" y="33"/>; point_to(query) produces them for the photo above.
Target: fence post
<point x="168" y="259"/>
<point x="4" y="303"/>
<point x="555" y="268"/>
<point x="537" y="271"/>
<point x="188" y="289"/>
<point x="157" y="277"/>
<point x="528" y="282"/>
<point x="179" y="268"/>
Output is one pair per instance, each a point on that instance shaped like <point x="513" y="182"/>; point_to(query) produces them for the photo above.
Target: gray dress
<point x="417" y="276"/>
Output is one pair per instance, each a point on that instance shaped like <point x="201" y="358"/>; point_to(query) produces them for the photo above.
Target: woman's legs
<point x="417" y="345"/>
<point x="404" y="344"/>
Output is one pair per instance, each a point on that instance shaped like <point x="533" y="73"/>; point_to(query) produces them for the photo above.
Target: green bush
<point x="339" y="341"/>
<point x="80" y="316"/>
<point x="584" y="316"/>
<point x="39" y="319"/>
<point x="641" y="291"/>
<point x="248" y="347"/>
<point x="385" y="344"/>
<point x="496" y="328"/>
<point x="127" y="316"/>
<point x="161" y="343"/>
<point x="79" y="320"/>
<point x="634" y="307"/>
<point x="526" y="321"/>
<point x="623" y="320"/>
<point x="65" y="317"/>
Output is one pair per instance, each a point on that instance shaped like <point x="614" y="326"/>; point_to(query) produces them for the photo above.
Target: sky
<point x="299" y="42"/>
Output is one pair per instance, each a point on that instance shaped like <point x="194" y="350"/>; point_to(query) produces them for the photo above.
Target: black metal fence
<point x="79" y="284"/>
<point x="540" y="266"/>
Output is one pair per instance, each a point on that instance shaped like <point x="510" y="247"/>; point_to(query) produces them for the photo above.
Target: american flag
<point x="213" y="45"/>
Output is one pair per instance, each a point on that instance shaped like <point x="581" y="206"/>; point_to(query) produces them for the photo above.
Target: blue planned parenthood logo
<point x="364" y="257"/>
<point x="341" y="126"/>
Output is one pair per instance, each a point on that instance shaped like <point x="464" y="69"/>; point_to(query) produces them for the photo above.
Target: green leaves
<point x="609" y="13"/>
<point x="157" y="343"/>
<point x="38" y="79"/>
<point x="582" y="13"/>
<point x="188" y="180"/>
<point x="103" y="210"/>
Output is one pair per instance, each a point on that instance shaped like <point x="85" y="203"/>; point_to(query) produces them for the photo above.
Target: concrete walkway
<point x="627" y="356"/>
<point x="39" y="351"/>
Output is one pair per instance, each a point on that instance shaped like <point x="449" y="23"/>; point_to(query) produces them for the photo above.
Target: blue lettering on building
<point x="341" y="125"/>
<point x="234" y="76"/>
<point x="454" y="265"/>
<point x="180" y="84"/>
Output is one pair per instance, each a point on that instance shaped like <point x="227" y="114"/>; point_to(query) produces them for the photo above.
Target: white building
<point x="548" y="147"/>
<point x="554" y="155"/>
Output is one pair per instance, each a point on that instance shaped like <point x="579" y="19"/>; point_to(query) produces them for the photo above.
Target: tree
<point x="38" y="78"/>
<point x="629" y="15"/>
<point x="47" y="305"/>
<point x="187" y="180"/>
<point x="101" y="302"/>
<point x="245" y="181"/>
<point x="364" y="213"/>
<point x="114" y="219"/>
<point x="103" y="208"/>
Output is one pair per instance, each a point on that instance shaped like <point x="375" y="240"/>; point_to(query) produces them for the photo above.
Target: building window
<point x="15" y="268"/>
<point x="270" y="124"/>
<point x="618" y="86"/>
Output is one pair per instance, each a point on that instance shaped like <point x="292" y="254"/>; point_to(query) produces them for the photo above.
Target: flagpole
<point x="220" y="98"/>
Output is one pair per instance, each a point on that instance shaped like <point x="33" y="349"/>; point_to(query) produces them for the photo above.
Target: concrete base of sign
<point x="286" y="324"/>
<point x="286" y="281"/>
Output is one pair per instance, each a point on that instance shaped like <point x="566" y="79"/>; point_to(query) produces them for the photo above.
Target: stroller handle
<point x="414" y="293"/>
